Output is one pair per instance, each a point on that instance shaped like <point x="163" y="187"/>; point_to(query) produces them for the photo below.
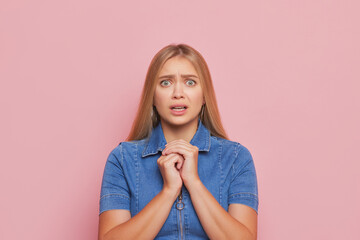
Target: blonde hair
<point x="147" y="117"/>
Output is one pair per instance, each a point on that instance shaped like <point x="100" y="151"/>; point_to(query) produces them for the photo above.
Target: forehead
<point x="178" y="65"/>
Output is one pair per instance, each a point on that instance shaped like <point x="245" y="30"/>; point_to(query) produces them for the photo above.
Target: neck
<point x="174" y="132"/>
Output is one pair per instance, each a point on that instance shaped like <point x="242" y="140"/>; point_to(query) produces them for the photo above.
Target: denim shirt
<point x="132" y="178"/>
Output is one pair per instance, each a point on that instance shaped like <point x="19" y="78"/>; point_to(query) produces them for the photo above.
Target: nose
<point x="178" y="90"/>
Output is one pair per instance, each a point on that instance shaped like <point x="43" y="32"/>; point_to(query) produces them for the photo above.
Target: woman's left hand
<point x="189" y="169"/>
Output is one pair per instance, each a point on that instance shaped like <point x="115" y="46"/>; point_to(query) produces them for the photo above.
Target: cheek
<point x="198" y="97"/>
<point x="159" y="98"/>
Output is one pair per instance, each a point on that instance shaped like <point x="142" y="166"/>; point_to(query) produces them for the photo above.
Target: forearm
<point x="216" y="221"/>
<point x="148" y="222"/>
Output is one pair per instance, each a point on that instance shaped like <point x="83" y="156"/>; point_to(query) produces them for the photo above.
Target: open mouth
<point x="178" y="108"/>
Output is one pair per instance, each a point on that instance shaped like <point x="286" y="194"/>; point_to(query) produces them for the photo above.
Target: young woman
<point x="178" y="176"/>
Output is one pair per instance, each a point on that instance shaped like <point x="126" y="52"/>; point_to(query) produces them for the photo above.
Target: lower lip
<point x="178" y="112"/>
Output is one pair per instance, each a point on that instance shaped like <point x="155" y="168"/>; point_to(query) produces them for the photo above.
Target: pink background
<point x="286" y="75"/>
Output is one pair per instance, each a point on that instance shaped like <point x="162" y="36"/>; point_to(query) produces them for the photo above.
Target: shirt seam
<point x="241" y="167"/>
<point x="233" y="164"/>
<point x="116" y="194"/>
<point x="136" y="147"/>
<point x="245" y="195"/>
<point x="221" y="171"/>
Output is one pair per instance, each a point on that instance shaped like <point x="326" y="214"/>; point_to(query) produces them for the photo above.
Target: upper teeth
<point x="179" y="107"/>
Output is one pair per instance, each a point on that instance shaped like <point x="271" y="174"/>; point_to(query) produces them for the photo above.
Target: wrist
<point x="192" y="184"/>
<point x="171" y="194"/>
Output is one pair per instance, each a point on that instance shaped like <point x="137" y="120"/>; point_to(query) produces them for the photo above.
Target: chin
<point x="180" y="121"/>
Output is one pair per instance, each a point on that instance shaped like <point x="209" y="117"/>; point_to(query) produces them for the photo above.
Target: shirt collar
<point x="156" y="142"/>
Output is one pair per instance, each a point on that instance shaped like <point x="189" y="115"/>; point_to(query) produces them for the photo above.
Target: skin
<point x="178" y="83"/>
<point x="178" y="90"/>
<point x="178" y="166"/>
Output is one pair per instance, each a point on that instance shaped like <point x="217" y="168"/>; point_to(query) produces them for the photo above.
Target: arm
<point x="239" y="223"/>
<point x="241" y="220"/>
<point x="117" y="224"/>
<point x="115" y="221"/>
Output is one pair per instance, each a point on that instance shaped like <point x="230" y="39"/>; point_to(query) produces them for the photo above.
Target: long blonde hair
<point x="147" y="117"/>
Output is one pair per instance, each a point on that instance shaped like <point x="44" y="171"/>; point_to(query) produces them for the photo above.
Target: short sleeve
<point x="114" y="192"/>
<point x="243" y="186"/>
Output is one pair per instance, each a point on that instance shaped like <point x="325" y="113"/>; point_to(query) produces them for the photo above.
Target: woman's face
<point x="178" y="94"/>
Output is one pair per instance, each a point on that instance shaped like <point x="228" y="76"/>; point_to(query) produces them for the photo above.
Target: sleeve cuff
<point x="114" y="201"/>
<point x="247" y="199"/>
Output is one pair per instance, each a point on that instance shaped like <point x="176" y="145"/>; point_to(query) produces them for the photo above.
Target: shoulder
<point x="232" y="152"/>
<point x="228" y="145"/>
<point x="128" y="148"/>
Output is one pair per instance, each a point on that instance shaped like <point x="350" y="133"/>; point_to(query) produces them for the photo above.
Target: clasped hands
<point x="186" y="162"/>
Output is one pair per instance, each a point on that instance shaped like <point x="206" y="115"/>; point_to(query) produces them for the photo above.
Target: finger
<point x="178" y="141"/>
<point x="179" y="164"/>
<point x="160" y="159"/>
<point x="180" y="161"/>
<point x="163" y="158"/>
<point x="171" y="160"/>
<point x="174" y="144"/>
<point x="183" y="150"/>
<point x="175" y="159"/>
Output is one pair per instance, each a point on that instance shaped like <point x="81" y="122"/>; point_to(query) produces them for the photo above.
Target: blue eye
<point x="192" y="82"/>
<point x="165" y="81"/>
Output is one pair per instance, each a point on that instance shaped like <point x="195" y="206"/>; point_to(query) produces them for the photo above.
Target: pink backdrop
<point x="286" y="75"/>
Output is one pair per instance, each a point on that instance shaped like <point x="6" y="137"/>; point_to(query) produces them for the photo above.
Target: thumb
<point x="179" y="163"/>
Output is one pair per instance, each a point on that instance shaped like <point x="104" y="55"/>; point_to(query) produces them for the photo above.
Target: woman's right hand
<point x="170" y="166"/>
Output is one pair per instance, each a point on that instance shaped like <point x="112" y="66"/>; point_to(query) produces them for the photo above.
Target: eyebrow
<point x="182" y="75"/>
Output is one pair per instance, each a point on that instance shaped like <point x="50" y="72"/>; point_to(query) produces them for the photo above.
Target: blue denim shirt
<point x="131" y="179"/>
